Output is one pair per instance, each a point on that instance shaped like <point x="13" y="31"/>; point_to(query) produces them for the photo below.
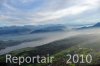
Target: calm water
<point x="46" y="38"/>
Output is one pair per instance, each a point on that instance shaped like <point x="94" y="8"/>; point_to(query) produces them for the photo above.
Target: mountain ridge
<point x="29" y="29"/>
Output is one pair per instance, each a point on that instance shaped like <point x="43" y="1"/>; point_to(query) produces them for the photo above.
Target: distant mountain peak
<point x="97" y="24"/>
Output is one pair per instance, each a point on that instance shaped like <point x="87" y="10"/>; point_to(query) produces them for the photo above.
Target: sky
<point x="36" y="12"/>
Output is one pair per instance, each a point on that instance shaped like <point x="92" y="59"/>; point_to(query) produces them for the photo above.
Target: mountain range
<point x="29" y="29"/>
<point x="97" y="25"/>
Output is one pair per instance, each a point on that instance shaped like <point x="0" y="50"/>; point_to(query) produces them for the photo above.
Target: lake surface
<point x="46" y="38"/>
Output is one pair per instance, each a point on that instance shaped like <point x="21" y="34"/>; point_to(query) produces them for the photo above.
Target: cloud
<point x="62" y="13"/>
<point x="27" y="1"/>
<point x="73" y="10"/>
<point x="9" y="7"/>
<point x="49" y="11"/>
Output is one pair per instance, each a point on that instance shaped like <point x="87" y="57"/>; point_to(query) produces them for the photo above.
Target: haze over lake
<point x="45" y="38"/>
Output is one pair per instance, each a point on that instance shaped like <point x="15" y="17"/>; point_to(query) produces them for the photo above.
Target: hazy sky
<point x="34" y="12"/>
